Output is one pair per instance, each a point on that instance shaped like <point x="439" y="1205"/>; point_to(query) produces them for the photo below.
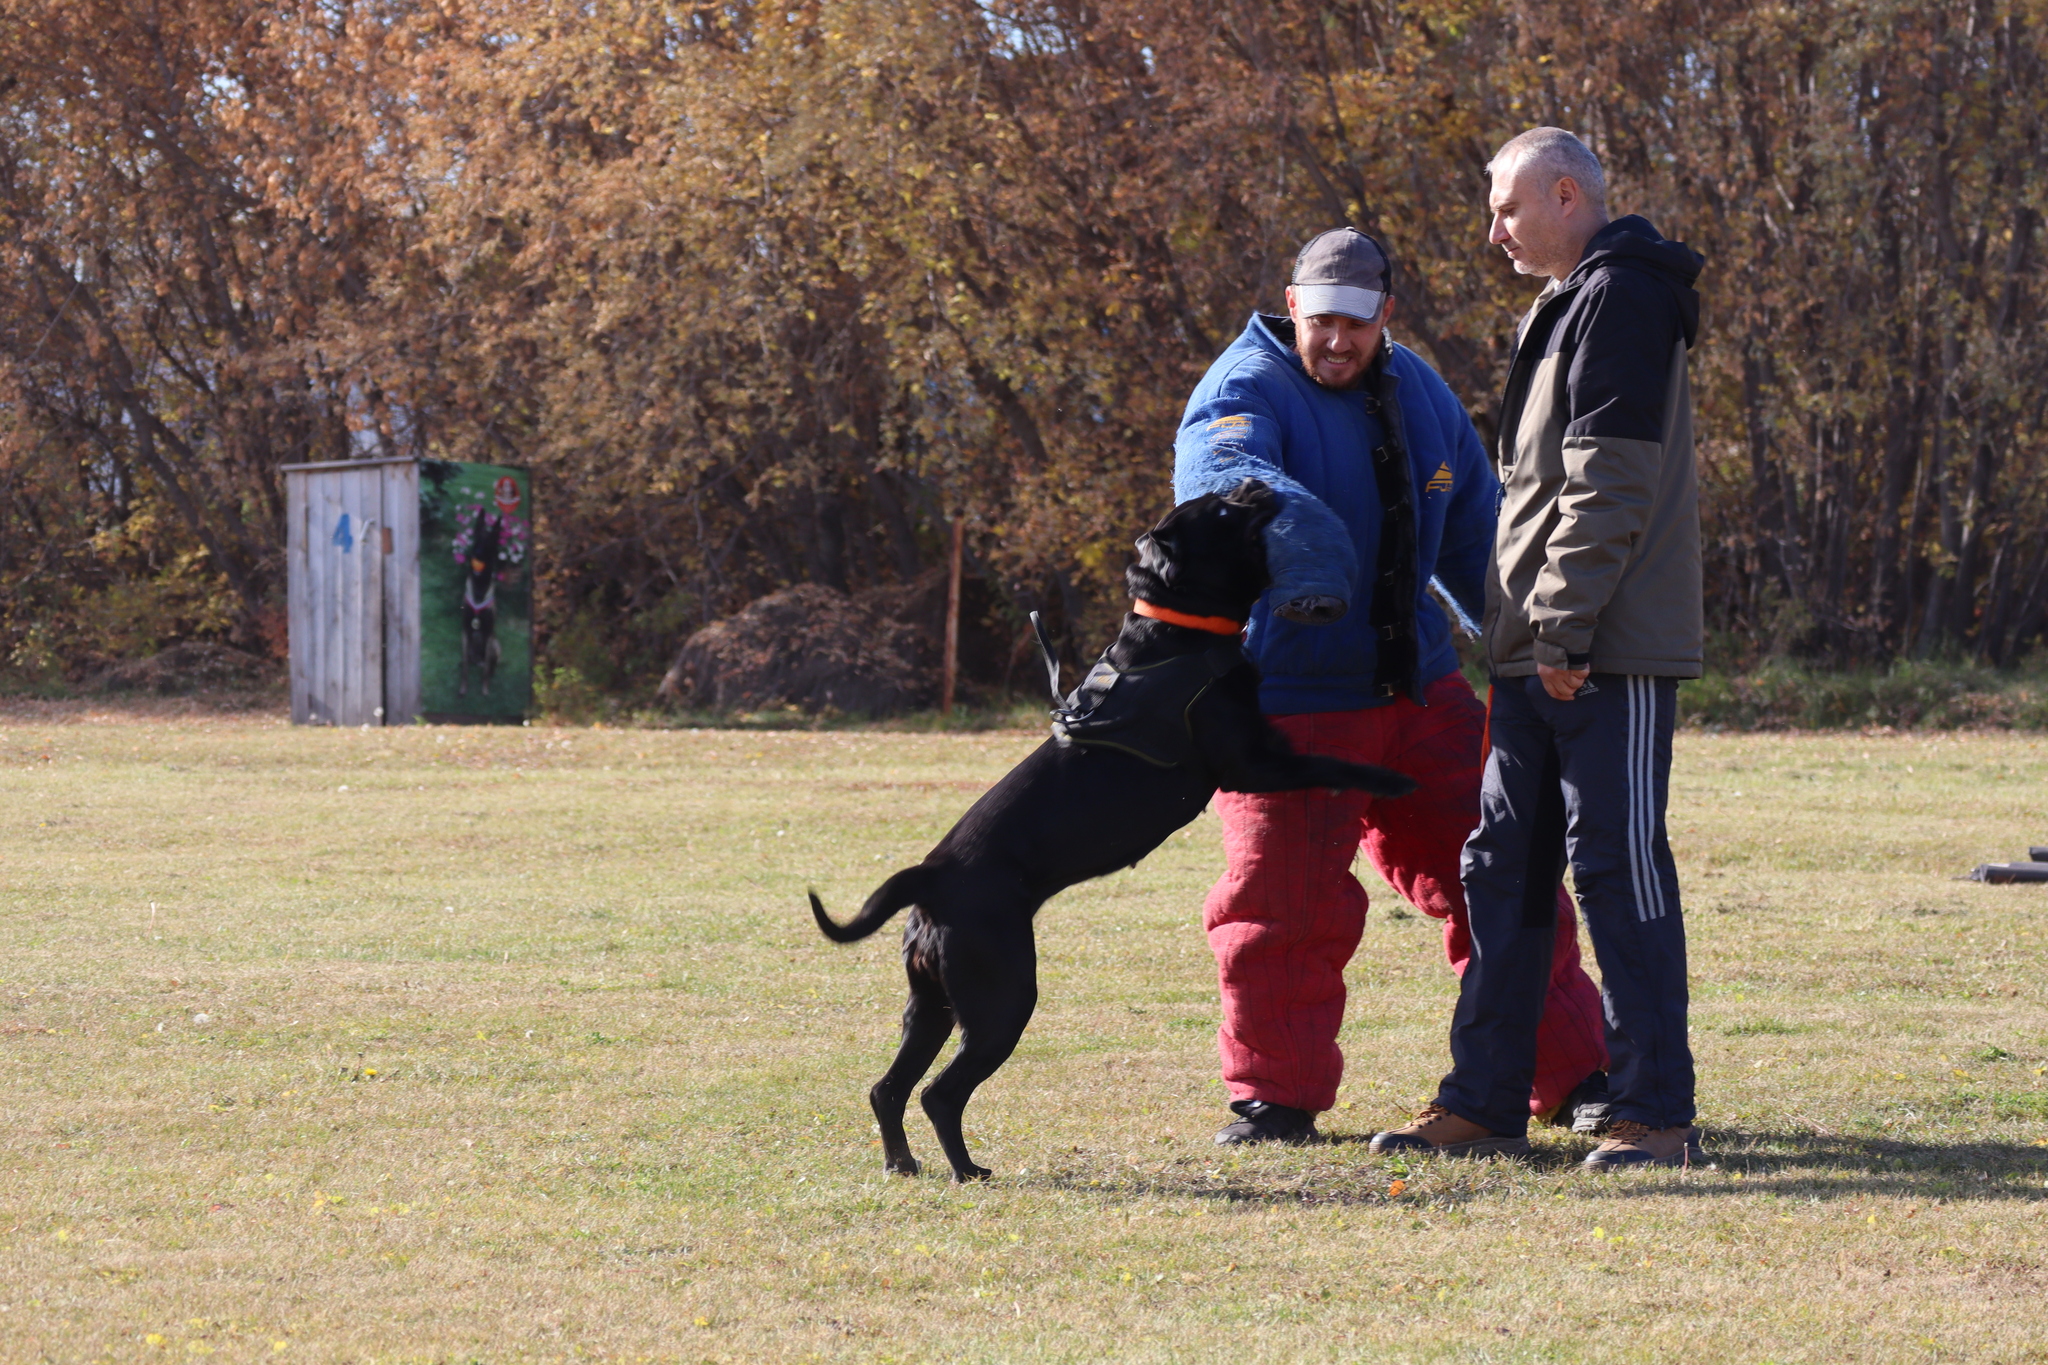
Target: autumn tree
<point x="188" y="195"/>
<point x="769" y="294"/>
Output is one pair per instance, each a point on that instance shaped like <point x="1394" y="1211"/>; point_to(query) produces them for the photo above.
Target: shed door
<point x="340" y="544"/>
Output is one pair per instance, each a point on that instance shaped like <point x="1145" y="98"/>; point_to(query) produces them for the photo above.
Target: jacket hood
<point x="1632" y="243"/>
<point x="1274" y="330"/>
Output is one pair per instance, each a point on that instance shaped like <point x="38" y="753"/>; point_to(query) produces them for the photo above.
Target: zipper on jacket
<point x="1514" y="398"/>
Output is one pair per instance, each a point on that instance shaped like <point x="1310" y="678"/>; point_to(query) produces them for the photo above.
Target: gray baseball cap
<point x="1343" y="271"/>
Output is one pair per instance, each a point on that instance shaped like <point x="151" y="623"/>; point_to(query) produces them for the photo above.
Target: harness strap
<point x="1052" y="657"/>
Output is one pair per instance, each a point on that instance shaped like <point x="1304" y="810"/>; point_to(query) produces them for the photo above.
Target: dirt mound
<point x="808" y="646"/>
<point x="189" y="666"/>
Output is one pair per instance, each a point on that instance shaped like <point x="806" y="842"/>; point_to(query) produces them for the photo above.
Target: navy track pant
<point x="1585" y="780"/>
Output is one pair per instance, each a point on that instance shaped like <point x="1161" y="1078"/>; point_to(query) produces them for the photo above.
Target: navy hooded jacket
<point x="1257" y="414"/>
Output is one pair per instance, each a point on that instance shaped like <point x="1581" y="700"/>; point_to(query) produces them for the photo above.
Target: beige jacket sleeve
<point x="1610" y="484"/>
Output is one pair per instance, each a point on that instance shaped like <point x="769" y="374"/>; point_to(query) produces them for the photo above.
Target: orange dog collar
<point x="1215" y="625"/>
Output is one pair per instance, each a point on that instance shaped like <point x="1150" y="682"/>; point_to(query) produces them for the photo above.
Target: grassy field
<point x="502" y="1045"/>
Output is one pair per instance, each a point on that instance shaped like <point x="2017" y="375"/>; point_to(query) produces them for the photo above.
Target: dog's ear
<point x="1156" y="552"/>
<point x="1158" y="556"/>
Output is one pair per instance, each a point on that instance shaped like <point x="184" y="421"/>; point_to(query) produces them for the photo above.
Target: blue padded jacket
<point x="1257" y="414"/>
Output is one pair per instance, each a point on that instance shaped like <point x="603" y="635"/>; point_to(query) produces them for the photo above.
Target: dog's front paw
<point x="962" y="1175"/>
<point x="907" y="1166"/>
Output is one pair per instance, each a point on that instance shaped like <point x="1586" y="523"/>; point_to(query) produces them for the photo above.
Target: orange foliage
<point x="766" y="294"/>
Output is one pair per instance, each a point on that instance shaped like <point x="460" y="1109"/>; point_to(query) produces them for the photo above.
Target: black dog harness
<point x="1140" y="711"/>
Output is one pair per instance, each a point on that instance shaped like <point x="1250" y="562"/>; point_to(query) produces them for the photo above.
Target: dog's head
<point x="1207" y="557"/>
<point x="484" y="542"/>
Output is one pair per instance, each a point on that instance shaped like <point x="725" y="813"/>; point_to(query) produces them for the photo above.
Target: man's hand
<point x="1562" y="683"/>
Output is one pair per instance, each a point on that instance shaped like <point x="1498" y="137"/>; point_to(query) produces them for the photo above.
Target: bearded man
<point x="1384" y="486"/>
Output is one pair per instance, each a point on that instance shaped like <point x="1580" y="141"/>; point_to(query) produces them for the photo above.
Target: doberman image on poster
<point x="476" y="591"/>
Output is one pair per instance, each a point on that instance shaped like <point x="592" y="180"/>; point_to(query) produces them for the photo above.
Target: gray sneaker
<point x="1585" y="1110"/>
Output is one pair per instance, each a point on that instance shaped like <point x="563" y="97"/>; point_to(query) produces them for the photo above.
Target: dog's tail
<point x="900" y="890"/>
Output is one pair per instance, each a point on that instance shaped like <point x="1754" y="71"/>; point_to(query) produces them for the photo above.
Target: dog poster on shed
<point x="476" y="591"/>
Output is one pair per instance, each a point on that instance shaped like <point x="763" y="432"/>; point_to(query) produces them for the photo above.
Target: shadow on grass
<point x="1817" y="1163"/>
<point x="1776" y="1163"/>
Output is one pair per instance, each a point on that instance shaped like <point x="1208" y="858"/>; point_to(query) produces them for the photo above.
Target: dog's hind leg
<point x="994" y="985"/>
<point x="927" y="1023"/>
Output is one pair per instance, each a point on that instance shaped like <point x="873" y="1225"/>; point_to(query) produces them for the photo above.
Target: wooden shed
<point x="408" y="591"/>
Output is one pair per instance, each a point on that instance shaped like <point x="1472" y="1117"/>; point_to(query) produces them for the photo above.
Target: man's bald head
<point x="1549" y="155"/>
<point x="1548" y="198"/>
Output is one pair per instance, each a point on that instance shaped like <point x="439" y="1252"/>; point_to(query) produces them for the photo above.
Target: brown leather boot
<point x="1436" y="1131"/>
<point x="1637" y="1144"/>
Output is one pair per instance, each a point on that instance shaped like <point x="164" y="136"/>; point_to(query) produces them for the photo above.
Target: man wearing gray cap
<point x="1384" y="486"/>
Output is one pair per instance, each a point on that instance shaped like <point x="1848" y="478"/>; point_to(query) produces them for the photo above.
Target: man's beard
<point x="1358" y="381"/>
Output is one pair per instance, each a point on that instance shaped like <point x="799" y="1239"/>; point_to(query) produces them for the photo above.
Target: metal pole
<point x="952" y="665"/>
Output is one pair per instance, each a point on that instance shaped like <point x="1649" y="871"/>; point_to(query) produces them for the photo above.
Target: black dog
<point x="1170" y="714"/>
<point x="480" y="648"/>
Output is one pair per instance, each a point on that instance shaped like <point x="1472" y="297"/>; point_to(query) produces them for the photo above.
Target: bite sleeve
<point x="1233" y="437"/>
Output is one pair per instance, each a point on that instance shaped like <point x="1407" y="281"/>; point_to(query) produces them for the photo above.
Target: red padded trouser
<point x="1287" y="914"/>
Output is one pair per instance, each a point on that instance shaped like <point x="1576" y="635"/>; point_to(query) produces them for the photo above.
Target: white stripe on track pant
<point x="1584" y="780"/>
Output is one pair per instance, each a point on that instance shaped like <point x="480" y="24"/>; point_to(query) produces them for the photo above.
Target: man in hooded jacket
<point x="1384" y="485"/>
<point x="1593" y="614"/>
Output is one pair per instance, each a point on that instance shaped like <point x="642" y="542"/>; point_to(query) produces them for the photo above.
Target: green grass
<point x="1753" y="1027"/>
<point x="517" y="1044"/>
